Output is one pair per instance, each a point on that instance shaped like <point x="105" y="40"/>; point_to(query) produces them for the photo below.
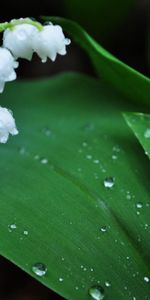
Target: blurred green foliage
<point x="99" y="17"/>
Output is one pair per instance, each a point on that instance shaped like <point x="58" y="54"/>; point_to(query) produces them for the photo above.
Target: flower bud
<point x="19" y="40"/>
<point x="49" y="42"/>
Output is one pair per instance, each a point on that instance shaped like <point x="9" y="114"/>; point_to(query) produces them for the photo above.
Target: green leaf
<point x="122" y="77"/>
<point x="140" y="124"/>
<point x="107" y="15"/>
<point x="72" y="138"/>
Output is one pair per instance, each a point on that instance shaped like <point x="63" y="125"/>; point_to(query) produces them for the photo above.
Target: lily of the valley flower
<point x="19" y="40"/>
<point x="7" y="125"/>
<point x="49" y="42"/>
<point x="7" y="66"/>
<point x="24" y="39"/>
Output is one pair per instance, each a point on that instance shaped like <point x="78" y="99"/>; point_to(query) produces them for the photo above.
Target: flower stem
<point x="13" y="23"/>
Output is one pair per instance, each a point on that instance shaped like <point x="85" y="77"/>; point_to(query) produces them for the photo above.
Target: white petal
<point x="19" y="40"/>
<point x="14" y="131"/>
<point x="7" y="125"/>
<point x="12" y="76"/>
<point x="49" y="42"/>
<point x="4" y="138"/>
<point x="7" y="65"/>
<point x="62" y="51"/>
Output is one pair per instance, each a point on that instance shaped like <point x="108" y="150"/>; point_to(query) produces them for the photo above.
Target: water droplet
<point x="128" y="196"/>
<point x="22" y="150"/>
<point x="61" y="279"/>
<point x="96" y="161"/>
<point x="109" y="182"/>
<point x="39" y="269"/>
<point x="96" y="292"/>
<point x="12" y="227"/>
<point x="47" y="131"/>
<point x="44" y="161"/>
<point x="96" y="176"/>
<point x="139" y="205"/>
<point x="36" y="157"/>
<point x="25" y="232"/>
<point x="114" y="157"/>
<point x="88" y="156"/>
<point x="67" y="41"/>
<point x="145" y="226"/>
<point x="147" y="133"/>
<point x="103" y="229"/>
<point x="47" y="23"/>
<point x="107" y="284"/>
<point x="116" y="148"/>
<point x="84" y="144"/>
<point x="146" y="279"/>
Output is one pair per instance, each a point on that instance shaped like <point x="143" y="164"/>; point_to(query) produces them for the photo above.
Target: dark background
<point x="129" y="42"/>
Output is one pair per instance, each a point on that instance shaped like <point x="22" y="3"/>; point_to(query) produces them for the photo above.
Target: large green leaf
<point x="140" y="124"/>
<point x="72" y="137"/>
<point x="125" y="79"/>
<point x="101" y="17"/>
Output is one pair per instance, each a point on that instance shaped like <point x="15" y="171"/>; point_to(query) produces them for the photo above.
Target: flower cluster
<point x="21" y="39"/>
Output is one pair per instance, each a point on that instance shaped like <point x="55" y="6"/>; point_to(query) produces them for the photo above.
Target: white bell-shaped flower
<point x="7" y="66"/>
<point x="49" y="42"/>
<point x="19" y="40"/>
<point x="7" y="125"/>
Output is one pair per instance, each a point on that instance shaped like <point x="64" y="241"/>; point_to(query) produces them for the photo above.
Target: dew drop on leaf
<point x="145" y="226"/>
<point x="22" y="150"/>
<point x="12" y="227"/>
<point x="147" y="133"/>
<point x="139" y="205"/>
<point x="47" y="23"/>
<point x="96" y="293"/>
<point x="39" y="269"/>
<point x="103" y="229"/>
<point x="114" y="157"/>
<point x="107" y="284"/>
<point x="84" y="144"/>
<point x="44" y="161"/>
<point x="146" y="279"/>
<point x="25" y="232"/>
<point x="96" y="161"/>
<point x="47" y="131"/>
<point x="88" y="156"/>
<point x="109" y="182"/>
